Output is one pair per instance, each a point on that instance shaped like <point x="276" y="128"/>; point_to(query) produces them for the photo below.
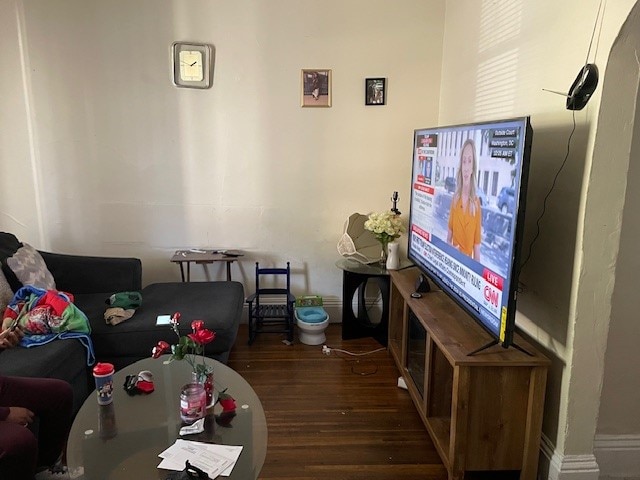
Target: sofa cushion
<point x="6" y="294"/>
<point x="9" y="245"/>
<point x="43" y="360"/>
<point x="29" y="267"/>
<point x="63" y="359"/>
<point x="86" y="274"/>
<point x="219" y="304"/>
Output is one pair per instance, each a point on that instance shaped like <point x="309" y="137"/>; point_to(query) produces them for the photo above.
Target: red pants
<point x="51" y="400"/>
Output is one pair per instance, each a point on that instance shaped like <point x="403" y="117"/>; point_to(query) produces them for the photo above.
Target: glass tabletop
<point x="354" y="266"/>
<point x="122" y="440"/>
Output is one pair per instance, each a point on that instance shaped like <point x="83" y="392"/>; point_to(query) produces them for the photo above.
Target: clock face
<point x="191" y="65"/>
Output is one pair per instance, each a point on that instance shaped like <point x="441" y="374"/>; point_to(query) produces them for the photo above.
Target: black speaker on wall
<point x="582" y="87"/>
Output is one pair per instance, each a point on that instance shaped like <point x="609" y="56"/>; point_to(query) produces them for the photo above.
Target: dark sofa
<point x="92" y="280"/>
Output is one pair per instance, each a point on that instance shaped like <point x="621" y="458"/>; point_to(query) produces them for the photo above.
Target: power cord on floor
<point x="327" y="351"/>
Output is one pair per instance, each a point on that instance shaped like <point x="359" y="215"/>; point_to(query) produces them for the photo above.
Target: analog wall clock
<point x="191" y="65"/>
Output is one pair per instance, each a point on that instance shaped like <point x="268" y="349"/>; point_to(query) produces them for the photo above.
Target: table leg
<point x="228" y="271"/>
<point x="181" y="272"/>
<point x="359" y="325"/>
<point x="188" y="271"/>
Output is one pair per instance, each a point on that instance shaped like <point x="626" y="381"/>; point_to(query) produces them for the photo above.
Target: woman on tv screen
<point x="465" y="215"/>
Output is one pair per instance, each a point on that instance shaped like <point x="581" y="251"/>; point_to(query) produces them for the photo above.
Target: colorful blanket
<point x="45" y="315"/>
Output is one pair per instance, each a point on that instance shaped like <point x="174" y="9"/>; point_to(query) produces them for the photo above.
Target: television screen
<point x="468" y="192"/>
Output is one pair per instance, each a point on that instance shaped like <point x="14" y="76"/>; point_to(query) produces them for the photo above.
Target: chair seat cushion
<point x="312" y="314"/>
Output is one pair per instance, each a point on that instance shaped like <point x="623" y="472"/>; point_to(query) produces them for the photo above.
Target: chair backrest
<point x="263" y="272"/>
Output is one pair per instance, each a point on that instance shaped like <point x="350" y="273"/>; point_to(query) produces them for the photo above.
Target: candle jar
<point x="193" y="402"/>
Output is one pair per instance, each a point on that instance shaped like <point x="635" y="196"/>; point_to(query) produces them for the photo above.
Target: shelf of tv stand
<point x="483" y="411"/>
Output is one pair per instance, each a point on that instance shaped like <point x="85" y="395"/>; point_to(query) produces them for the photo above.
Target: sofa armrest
<point x="86" y="274"/>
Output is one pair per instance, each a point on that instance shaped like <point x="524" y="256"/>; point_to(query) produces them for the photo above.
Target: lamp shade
<point x="358" y="243"/>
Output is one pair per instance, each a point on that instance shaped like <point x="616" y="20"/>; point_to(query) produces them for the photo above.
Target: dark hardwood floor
<point x="337" y="416"/>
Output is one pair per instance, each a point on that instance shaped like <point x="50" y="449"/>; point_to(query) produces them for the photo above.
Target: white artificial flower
<point x="386" y="226"/>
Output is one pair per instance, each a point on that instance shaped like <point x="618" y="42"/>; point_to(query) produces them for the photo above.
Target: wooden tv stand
<point x="483" y="412"/>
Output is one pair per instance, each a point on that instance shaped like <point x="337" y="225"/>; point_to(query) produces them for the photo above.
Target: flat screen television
<point x="468" y="191"/>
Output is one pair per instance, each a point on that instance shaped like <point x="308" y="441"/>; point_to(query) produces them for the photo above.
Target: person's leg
<point x="51" y="400"/>
<point x="18" y="451"/>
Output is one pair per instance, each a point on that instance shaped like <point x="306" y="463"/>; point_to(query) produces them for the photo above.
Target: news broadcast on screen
<point x="467" y="198"/>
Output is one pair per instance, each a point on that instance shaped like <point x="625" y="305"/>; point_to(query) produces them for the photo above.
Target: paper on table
<point x="212" y="464"/>
<point x="213" y="459"/>
<point x="232" y="452"/>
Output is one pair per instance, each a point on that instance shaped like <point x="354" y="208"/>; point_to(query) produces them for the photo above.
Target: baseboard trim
<point x="333" y="307"/>
<point x="618" y="455"/>
<point x="556" y="466"/>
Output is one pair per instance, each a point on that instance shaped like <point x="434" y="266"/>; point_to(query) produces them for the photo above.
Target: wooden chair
<point x="271" y="309"/>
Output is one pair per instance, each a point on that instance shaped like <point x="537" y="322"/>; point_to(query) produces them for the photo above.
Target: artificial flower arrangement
<point x="189" y="347"/>
<point x="386" y="227"/>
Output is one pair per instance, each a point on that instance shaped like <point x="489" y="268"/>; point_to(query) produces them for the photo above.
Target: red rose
<point x="160" y="348"/>
<point x="227" y="403"/>
<point x="197" y="325"/>
<point x="202" y="337"/>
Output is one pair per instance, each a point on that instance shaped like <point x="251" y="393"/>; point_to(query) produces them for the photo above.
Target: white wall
<point x="127" y="164"/>
<point x="18" y="211"/>
<point x="497" y="59"/>
<point x="617" y="442"/>
<point x="624" y="335"/>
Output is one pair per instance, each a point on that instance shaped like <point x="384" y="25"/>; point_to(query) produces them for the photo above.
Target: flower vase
<point x="206" y="380"/>
<point x="393" y="259"/>
<point x="384" y="254"/>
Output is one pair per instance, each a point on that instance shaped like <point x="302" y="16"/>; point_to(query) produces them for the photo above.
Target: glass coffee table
<point x="122" y="440"/>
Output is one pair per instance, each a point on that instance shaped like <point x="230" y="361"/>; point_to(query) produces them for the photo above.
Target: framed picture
<point x="315" y="88"/>
<point x="375" y="92"/>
